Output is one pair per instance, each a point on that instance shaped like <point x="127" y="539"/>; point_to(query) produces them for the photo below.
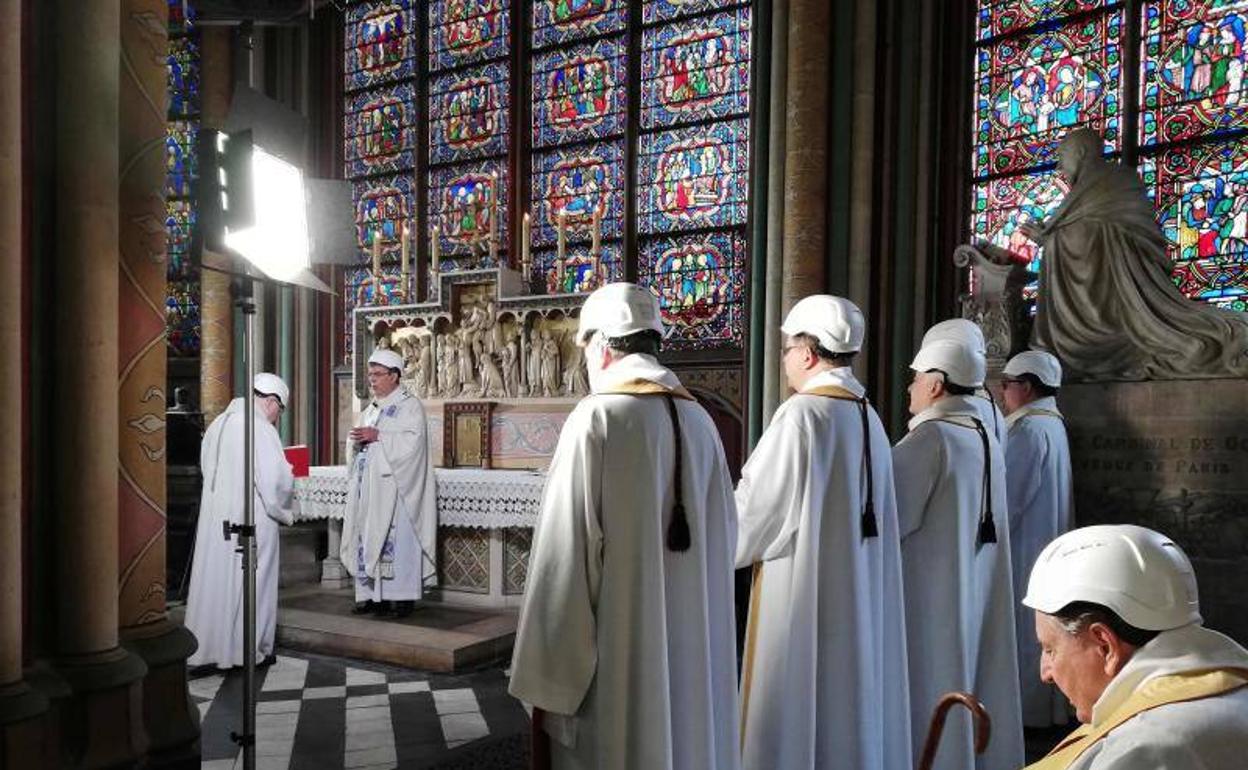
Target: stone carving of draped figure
<point x="1108" y="308"/>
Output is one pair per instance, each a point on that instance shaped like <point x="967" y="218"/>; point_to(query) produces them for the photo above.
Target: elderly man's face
<point x="381" y="380"/>
<point x="1079" y="664"/>
<point x="925" y="390"/>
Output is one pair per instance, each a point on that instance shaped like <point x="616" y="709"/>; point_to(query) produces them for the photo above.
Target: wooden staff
<point x="979" y="715"/>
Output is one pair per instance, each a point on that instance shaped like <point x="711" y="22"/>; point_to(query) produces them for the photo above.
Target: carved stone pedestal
<point x="1172" y="456"/>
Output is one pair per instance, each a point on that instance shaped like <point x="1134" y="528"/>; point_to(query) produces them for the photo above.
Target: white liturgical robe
<point x="627" y="645"/>
<point x="391" y="519"/>
<point x="1041" y="500"/>
<point x="959" y="600"/>
<point x="214" y="602"/>
<point x="824" y="681"/>
<point x="1180" y="703"/>
<point x="992" y="418"/>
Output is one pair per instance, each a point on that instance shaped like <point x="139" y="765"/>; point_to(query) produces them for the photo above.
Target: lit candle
<point x="595" y="248"/>
<point x="494" y="218"/>
<point x="377" y="256"/>
<point x="526" y="230"/>
<point x="561" y="232"/>
<point x="403" y="255"/>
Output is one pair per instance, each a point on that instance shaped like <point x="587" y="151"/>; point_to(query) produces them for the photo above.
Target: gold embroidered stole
<point x="641" y="387"/>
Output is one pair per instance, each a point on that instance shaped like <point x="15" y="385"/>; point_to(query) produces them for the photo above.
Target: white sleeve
<point x="771" y="493"/>
<point x="917" y="460"/>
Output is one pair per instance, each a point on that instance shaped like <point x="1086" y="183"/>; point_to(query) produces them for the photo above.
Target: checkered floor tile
<point x="320" y="712"/>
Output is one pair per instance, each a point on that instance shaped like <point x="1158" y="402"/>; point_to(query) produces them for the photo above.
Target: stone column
<point x="145" y="630"/>
<point x="216" y="311"/>
<point x="773" y="384"/>
<point x="105" y="680"/>
<point x="806" y="151"/>
<point x="23" y="730"/>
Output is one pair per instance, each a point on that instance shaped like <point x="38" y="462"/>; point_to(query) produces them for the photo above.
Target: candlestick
<point x="435" y="251"/>
<point x="403" y="255"/>
<point x="494" y="218"/>
<point x="377" y="257"/>
<point x="561" y="232"/>
<point x="526" y="230"/>
<point x="595" y="249"/>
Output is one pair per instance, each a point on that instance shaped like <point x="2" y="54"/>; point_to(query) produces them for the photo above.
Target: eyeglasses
<point x="1006" y="382"/>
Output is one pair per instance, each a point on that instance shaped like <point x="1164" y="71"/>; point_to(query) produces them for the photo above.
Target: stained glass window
<point x="578" y="93"/>
<point x="561" y="21"/>
<point x="1033" y="88"/>
<point x="380" y="121"/>
<point x="700" y="283"/>
<point x="464" y="202"/>
<point x="466" y="31"/>
<point x="1190" y="133"/>
<point x="694" y="177"/>
<point x="468" y="114"/>
<point x="696" y="70"/>
<point x="577" y="183"/>
<point x="1192" y="80"/>
<point x="182" y="316"/>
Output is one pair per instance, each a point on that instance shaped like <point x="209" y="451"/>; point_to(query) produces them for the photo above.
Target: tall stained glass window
<point x="622" y="128"/>
<point x="1044" y="67"/>
<point x="182" y="318"/>
<point x="379" y="130"/>
<point x="692" y="167"/>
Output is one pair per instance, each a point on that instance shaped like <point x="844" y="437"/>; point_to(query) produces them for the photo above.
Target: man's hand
<point x="1033" y="230"/>
<point x="363" y="435"/>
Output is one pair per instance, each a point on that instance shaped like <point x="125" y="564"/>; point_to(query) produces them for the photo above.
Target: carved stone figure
<point x="535" y="363"/>
<point x="451" y="368"/>
<point x="1107" y="306"/>
<point x="550" y="365"/>
<point x="491" y="378"/>
<point x="423" y="366"/>
<point x="511" y="367"/>
<point x="467" y="372"/>
<point x="575" y="375"/>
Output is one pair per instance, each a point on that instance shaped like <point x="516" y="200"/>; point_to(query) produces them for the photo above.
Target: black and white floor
<point x="317" y="712"/>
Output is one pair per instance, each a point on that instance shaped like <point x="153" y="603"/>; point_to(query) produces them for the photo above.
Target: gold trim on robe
<point x="642" y="387"/>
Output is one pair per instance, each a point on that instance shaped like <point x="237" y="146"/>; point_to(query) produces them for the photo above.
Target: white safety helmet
<point x="836" y="322"/>
<point x="618" y="310"/>
<point x="387" y="358"/>
<point x="1044" y="366"/>
<point x="961" y="364"/>
<point x="1140" y="574"/>
<point x="271" y="385"/>
<point x="958" y="330"/>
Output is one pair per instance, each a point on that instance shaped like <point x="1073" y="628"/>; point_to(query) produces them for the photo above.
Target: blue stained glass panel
<point x="563" y="21"/>
<point x="1201" y="196"/>
<point x="577" y="182"/>
<point x="183" y="65"/>
<point x="463" y="201"/>
<point x="182" y="318"/>
<point x="468" y="114"/>
<point x="662" y="10"/>
<point x="694" y="69"/>
<point x="578" y="268"/>
<point x="379" y="43"/>
<point x="700" y="284"/>
<point x="467" y="31"/>
<point x="694" y="177"/>
<point x="181" y="158"/>
<point x="1002" y="205"/>
<point x="1030" y="90"/>
<point x="180" y="216"/>
<point x="1001" y="17"/>
<point x="579" y="93"/>
<point x="380" y="130"/>
<point x="382" y="205"/>
<point x="1192" y="79"/>
<point x="359" y="290"/>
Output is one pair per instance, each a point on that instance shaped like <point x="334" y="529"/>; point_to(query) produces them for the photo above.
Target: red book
<point x="298" y="456"/>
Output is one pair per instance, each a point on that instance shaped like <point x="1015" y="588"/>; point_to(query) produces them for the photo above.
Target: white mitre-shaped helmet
<point x="961" y="364"/>
<point x="270" y="384"/>
<point x="1043" y="366"/>
<point x="618" y="310"/>
<point x="387" y="358"/>
<point x="958" y="330"/>
<point x="835" y="321"/>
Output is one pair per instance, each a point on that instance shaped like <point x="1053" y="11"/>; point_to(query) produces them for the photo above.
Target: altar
<point x="485" y="528"/>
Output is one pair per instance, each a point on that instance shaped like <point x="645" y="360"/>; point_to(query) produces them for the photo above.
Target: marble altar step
<point x="436" y="637"/>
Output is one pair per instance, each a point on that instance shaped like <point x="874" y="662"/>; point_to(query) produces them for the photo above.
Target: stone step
<point x="436" y="637"/>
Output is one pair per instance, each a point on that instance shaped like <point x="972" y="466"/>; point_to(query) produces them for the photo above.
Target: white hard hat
<point x="836" y="322"/>
<point x="618" y="310"/>
<point x="961" y="364"/>
<point x="1044" y="366"/>
<point x="957" y="330"/>
<point x="1139" y="574"/>
<point x="387" y="358"/>
<point x="271" y="385"/>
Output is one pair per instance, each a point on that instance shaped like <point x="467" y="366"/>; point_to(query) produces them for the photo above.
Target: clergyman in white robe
<point x="214" y="602"/>
<point x="824" y="680"/>
<point x="628" y="646"/>
<point x="1041" y="500"/>
<point x="390" y="523"/>
<point x="959" y="601"/>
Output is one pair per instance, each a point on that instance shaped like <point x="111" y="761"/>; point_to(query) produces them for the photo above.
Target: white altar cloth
<point x="467" y="497"/>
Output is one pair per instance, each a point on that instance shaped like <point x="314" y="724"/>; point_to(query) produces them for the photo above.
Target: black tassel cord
<point x="678" y="538"/>
<point x="870" y="528"/>
<point x="987" y="528"/>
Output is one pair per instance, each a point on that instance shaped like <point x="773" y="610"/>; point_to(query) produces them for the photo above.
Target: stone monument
<point x="1156" y="395"/>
